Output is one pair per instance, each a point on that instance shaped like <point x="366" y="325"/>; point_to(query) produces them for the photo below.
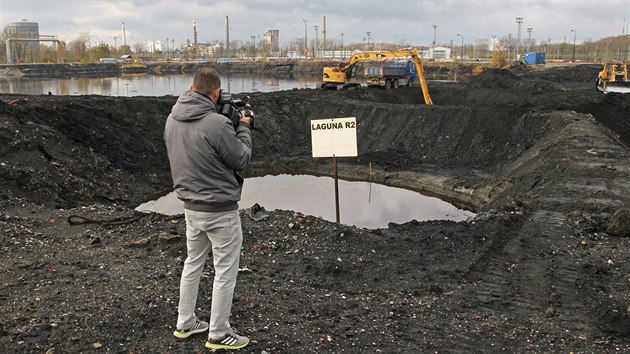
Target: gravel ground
<point x="539" y="155"/>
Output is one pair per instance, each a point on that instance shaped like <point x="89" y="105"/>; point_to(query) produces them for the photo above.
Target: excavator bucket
<point x="614" y="78"/>
<point x="616" y="86"/>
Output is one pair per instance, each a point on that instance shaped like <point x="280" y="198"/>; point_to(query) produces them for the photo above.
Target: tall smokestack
<point x="227" y="34"/>
<point x="194" y="34"/>
<point x="324" y="31"/>
<point x="124" y="35"/>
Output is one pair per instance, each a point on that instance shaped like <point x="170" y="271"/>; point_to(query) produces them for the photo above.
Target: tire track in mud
<point x="516" y="269"/>
<point x="528" y="275"/>
<point x="592" y="165"/>
<point x="545" y="274"/>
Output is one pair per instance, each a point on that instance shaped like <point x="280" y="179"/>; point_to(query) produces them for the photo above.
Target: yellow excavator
<point x="341" y="76"/>
<point x="614" y="77"/>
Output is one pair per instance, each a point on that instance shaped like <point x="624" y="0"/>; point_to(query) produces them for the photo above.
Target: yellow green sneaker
<point x="198" y="327"/>
<point x="231" y="340"/>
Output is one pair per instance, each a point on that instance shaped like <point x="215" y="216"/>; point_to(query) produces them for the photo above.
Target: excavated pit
<point x="540" y="155"/>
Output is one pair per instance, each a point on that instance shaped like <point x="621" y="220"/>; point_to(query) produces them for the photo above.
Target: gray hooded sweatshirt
<point x="205" y="153"/>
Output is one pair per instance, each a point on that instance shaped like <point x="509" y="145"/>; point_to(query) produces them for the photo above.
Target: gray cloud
<point x="388" y="21"/>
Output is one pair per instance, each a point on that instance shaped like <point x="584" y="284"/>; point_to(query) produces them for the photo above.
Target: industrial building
<point x="438" y="53"/>
<point x="22" y="36"/>
<point x="271" y="39"/>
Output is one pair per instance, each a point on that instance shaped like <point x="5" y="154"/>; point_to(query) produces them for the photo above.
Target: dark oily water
<point x="362" y="204"/>
<point x="150" y="85"/>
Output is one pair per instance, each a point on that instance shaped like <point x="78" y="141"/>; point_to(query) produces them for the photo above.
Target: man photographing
<point x="205" y="152"/>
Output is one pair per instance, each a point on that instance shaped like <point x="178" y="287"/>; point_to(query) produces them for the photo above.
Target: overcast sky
<point x="405" y="22"/>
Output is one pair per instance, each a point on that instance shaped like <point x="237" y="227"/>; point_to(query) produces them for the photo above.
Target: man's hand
<point x="247" y="116"/>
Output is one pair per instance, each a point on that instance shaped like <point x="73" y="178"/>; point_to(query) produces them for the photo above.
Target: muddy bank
<point x="281" y="68"/>
<point x="540" y="155"/>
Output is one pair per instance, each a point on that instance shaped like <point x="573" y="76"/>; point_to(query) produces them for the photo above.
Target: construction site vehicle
<point x="388" y="74"/>
<point x="343" y="76"/>
<point x="614" y="78"/>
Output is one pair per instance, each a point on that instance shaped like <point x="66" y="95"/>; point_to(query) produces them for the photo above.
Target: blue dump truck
<point x="389" y="73"/>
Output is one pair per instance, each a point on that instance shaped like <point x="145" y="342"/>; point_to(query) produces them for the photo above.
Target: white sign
<point x="334" y="137"/>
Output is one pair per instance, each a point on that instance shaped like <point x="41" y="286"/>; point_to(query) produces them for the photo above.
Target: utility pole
<point x="574" y="33"/>
<point x="343" y="51"/>
<point x="434" y="37"/>
<point x="253" y="38"/>
<point x="324" y="32"/>
<point x="315" y="48"/>
<point x="305" y="38"/>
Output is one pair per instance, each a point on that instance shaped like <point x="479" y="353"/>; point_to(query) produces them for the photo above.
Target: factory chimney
<point x="124" y="35"/>
<point x="227" y="34"/>
<point x="194" y="34"/>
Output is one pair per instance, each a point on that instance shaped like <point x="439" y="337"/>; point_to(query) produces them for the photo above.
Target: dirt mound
<point x="82" y="149"/>
<point x="582" y="74"/>
<point x="517" y="67"/>
<point x="521" y="79"/>
<point x="494" y="78"/>
<point x="541" y="156"/>
<point x="612" y="111"/>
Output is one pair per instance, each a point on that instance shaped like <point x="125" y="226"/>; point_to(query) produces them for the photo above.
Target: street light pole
<point x="305" y="38"/>
<point x="519" y="21"/>
<point x="574" y="33"/>
<point x="343" y="51"/>
<point x="461" y="35"/>
<point x="434" y="37"/>
<point x="253" y="38"/>
<point x="315" y="48"/>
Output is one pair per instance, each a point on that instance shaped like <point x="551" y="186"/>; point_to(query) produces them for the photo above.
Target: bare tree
<point x="102" y="50"/>
<point x="481" y="48"/>
<point x="76" y="51"/>
<point x="138" y="47"/>
<point x="124" y="49"/>
<point x="78" y="48"/>
<point x="3" y="50"/>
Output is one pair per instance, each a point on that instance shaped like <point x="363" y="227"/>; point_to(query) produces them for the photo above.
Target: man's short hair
<point x="206" y="80"/>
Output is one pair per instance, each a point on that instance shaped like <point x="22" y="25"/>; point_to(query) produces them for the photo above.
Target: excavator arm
<point x="423" y="81"/>
<point x="335" y="77"/>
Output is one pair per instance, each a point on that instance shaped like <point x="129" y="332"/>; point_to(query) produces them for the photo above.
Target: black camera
<point x="231" y="106"/>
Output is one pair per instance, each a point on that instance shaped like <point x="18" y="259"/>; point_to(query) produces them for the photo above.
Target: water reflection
<point x="362" y="205"/>
<point x="151" y="85"/>
<point x="27" y="87"/>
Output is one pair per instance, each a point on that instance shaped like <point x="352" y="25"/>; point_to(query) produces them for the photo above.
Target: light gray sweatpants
<point x="222" y="232"/>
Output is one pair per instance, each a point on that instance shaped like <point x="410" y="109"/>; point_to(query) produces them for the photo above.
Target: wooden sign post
<point x="334" y="137"/>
